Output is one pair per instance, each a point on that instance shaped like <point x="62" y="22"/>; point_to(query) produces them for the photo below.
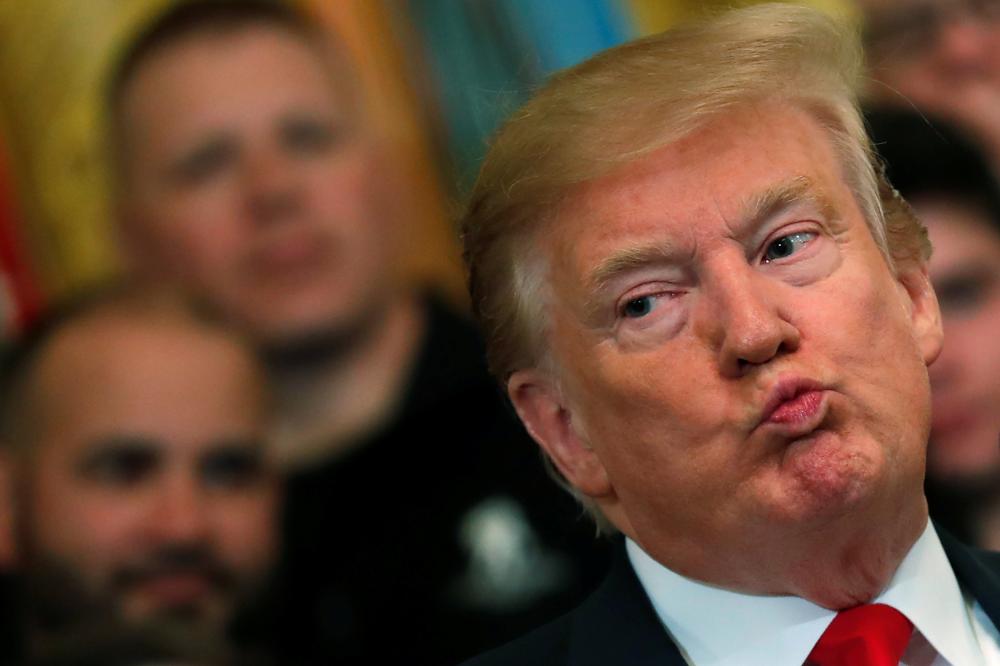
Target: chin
<point x="827" y="479"/>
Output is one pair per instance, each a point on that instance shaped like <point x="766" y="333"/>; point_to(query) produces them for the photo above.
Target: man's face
<point x="145" y="488"/>
<point x="965" y="381"/>
<point x="247" y="175"/>
<point x="942" y="55"/>
<point x="737" y="366"/>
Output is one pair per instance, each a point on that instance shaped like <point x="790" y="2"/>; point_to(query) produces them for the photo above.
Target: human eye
<point x="309" y="135"/>
<point x="232" y="468"/>
<point x="203" y="163"/>
<point x="638" y="308"/>
<point x="647" y="302"/>
<point x="964" y="293"/>
<point x="787" y="245"/>
<point x="119" y="464"/>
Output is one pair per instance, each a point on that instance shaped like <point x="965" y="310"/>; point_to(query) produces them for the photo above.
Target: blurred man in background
<point x="140" y="511"/>
<point x="416" y="508"/>
<point x="942" y="56"/>
<point x="953" y="191"/>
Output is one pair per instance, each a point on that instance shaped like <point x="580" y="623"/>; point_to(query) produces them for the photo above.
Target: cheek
<point x="94" y="530"/>
<point x="873" y="352"/>
<point x="204" y="250"/>
<point x="246" y="529"/>
<point x="349" y="191"/>
<point x="671" y="389"/>
<point x="198" y="230"/>
<point x="652" y="417"/>
<point x="971" y="344"/>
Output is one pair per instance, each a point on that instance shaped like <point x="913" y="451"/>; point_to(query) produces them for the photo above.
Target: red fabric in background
<point x="14" y="261"/>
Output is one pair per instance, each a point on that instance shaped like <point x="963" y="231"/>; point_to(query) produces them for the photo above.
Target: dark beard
<point x="72" y="625"/>
<point x="321" y="347"/>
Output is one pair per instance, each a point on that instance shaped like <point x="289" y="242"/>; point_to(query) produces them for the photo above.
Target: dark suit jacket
<point x="617" y="624"/>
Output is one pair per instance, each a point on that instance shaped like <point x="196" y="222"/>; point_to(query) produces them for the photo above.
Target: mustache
<point x="175" y="560"/>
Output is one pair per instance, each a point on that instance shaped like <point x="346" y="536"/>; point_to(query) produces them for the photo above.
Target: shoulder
<point x="546" y="646"/>
<point x="615" y="625"/>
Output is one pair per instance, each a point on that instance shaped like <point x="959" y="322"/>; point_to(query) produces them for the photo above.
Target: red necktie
<point x="868" y="635"/>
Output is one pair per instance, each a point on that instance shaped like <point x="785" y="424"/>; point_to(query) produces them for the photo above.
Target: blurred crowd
<point x="262" y="446"/>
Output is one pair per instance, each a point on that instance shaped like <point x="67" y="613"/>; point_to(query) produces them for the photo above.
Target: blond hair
<point x="632" y="99"/>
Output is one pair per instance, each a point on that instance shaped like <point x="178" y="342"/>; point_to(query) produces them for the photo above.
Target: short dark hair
<point x="928" y="157"/>
<point x="197" y="16"/>
<point x="189" y="18"/>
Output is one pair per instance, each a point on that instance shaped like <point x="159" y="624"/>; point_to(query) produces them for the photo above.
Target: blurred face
<point x="965" y="381"/>
<point x="741" y="380"/>
<point x="249" y="177"/>
<point x="942" y="55"/>
<point x="147" y="496"/>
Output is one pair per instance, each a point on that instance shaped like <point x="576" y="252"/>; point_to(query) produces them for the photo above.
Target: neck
<point x="327" y="406"/>
<point x="855" y="571"/>
<point x="836" y="564"/>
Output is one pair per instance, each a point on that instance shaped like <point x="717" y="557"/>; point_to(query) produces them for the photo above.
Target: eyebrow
<point x="767" y="204"/>
<point x="777" y="199"/>
<point x="104" y="448"/>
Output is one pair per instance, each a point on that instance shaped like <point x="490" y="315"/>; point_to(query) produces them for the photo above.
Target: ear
<point x="542" y="408"/>
<point x="925" y="314"/>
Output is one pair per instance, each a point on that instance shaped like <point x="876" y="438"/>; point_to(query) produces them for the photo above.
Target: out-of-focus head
<point x="133" y="432"/>
<point x="247" y="172"/>
<point x="954" y="192"/>
<point x="941" y="55"/>
<point x="707" y="306"/>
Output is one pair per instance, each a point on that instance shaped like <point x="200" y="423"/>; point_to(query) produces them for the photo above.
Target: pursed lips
<point x="794" y="407"/>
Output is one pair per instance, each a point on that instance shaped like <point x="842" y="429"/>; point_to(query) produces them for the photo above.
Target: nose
<point x="273" y="187"/>
<point x="740" y="317"/>
<point x="179" y="515"/>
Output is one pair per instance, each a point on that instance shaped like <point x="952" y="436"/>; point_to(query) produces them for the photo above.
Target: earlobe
<point x="541" y="407"/>
<point x="925" y="314"/>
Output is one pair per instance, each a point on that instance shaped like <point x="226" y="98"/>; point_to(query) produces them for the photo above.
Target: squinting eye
<point x="232" y="469"/>
<point x="787" y="246"/>
<point x="309" y="136"/>
<point x="639" y="307"/>
<point x="204" y="163"/>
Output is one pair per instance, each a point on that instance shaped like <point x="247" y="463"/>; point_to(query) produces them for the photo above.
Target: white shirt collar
<point x="723" y="628"/>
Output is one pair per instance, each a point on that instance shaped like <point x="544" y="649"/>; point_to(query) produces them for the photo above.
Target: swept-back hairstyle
<point x="635" y="98"/>
<point x="630" y="100"/>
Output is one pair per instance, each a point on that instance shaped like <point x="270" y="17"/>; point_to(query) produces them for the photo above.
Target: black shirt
<point x="439" y="537"/>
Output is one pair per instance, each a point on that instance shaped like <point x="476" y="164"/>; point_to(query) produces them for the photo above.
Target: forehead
<point x="219" y="76"/>
<point x="692" y="193"/>
<point x="162" y="380"/>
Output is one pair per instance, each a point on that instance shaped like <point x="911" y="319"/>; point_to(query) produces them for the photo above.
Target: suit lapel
<point x="617" y="624"/>
<point x="978" y="571"/>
